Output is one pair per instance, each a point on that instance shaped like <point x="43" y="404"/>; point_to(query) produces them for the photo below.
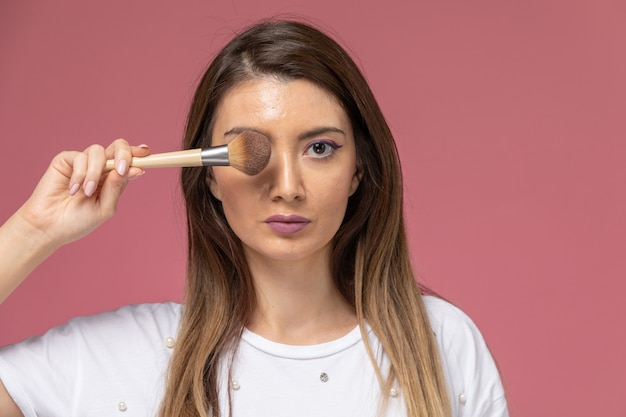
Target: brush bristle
<point x="249" y="152"/>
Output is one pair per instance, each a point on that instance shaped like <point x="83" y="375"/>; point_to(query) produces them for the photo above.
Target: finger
<point x="141" y="150"/>
<point x="110" y="192"/>
<point x="78" y="164"/>
<point x="138" y="151"/>
<point x="121" y="153"/>
<point x="112" y="188"/>
<point x="96" y="159"/>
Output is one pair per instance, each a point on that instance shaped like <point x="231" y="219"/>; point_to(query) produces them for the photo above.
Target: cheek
<point x="237" y="193"/>
<point x="236" y="209"/>
<point x="224" y="184"/>
<point x="333" y="193"/>
<point x="231" y="196"/>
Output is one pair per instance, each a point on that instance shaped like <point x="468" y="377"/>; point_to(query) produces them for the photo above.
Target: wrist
<point x="27" y="231"/>
<point x="23" y="248"/>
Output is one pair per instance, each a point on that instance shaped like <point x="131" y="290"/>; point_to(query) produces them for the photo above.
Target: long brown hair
<point x="370" y="259"/>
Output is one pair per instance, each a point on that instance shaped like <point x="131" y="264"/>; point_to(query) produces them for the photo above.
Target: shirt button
<point x="122" y="406"/>
<point x="393" y="392"/>
<point x="462" y="398"/>
<point x="169" y="342"/>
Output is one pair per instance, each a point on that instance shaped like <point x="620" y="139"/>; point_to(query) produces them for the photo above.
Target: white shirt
<point x="116" y="363"/>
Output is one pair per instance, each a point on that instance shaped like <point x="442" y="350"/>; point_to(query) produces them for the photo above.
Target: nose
<point x="285" y="177"/>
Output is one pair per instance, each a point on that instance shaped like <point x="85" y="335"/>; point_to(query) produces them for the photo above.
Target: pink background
<point x="509" y="116"/>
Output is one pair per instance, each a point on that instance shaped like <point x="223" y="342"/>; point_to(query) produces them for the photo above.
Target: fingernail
<point x="143" y="145"/>
<point x="122" y="167"/>
<point x="136" y="176"/>
<point x="90" y="188"/>
<point x="74" y="189"/>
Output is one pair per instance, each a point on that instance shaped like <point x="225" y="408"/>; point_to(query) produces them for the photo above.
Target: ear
<point x="356" y="179"/>
<point x="212" y="184"/>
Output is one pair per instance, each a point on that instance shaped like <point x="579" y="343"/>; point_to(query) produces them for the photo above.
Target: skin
<point x="298" y="302"/>
<point x="312" y="172"/>
<point x="74" y="196"/>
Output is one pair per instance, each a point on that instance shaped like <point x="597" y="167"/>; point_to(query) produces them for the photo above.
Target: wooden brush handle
<point x="187" y="158"/>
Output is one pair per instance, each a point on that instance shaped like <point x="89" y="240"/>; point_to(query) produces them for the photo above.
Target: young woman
<point x="300" y="297"/>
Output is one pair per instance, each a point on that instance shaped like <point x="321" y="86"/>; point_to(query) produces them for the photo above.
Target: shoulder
<point x="124" y="323"/>
<point x="448" y="321"/>
<point x="94" y="362"/>
<point x="471" y="371"/>
<point x="138" y="329"/>
<point x="130" y="328"/>
<point x="456" y="333"/>
<point x="157" y="317"/>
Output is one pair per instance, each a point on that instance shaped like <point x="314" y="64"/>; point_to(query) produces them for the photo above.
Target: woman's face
<point x="294" y="207"/>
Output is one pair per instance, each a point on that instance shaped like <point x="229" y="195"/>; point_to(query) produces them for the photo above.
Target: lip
<point x="287" y="223"/>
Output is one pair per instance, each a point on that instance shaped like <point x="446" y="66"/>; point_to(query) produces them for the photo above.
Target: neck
<point x="298" y="303"/>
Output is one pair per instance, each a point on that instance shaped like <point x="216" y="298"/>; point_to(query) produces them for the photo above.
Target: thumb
<point x="113" y="187"/>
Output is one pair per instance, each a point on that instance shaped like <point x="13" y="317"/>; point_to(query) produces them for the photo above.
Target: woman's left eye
<point x="321" y="149"/>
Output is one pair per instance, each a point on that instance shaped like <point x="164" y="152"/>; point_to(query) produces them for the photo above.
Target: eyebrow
<point x="302" y="136"/>
<point x="319" y="131"/>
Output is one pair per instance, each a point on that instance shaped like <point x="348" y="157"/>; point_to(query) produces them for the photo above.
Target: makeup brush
<point x="249" y="152"/>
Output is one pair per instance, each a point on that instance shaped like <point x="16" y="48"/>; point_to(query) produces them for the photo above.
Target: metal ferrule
<point x="216" y="155"/>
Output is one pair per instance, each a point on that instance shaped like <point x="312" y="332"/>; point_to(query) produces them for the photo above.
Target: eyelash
<point x="333" y="147"/>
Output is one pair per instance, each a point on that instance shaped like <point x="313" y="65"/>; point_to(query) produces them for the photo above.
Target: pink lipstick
<point x="287" y="224"/>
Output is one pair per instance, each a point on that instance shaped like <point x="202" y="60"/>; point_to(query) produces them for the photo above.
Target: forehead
<point x="269" y="100"/>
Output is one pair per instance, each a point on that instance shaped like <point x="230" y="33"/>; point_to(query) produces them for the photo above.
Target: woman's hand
<point x="75" y="195"/>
